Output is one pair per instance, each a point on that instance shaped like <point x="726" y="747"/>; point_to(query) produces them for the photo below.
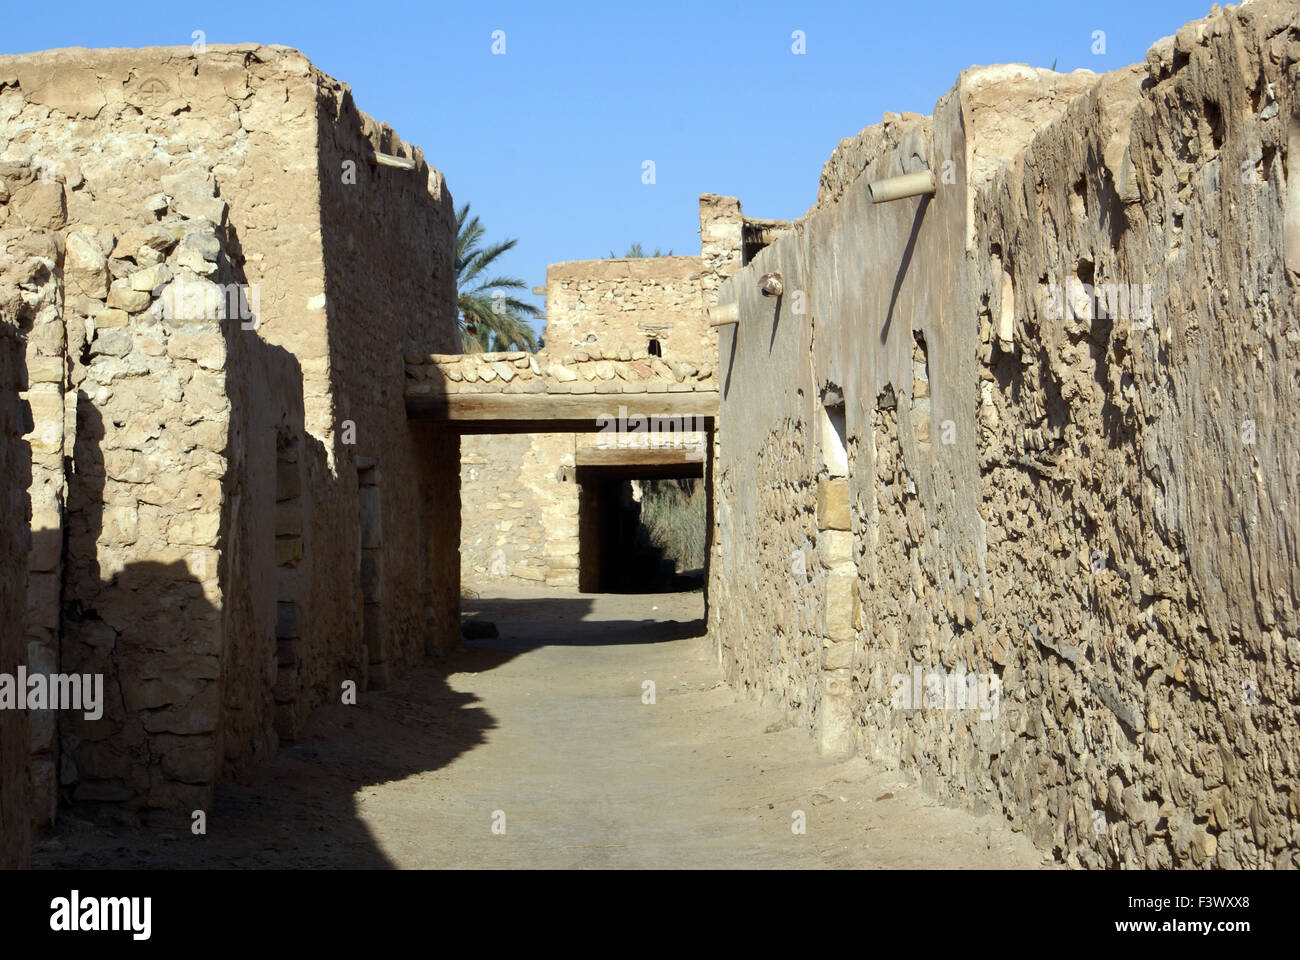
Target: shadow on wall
<point x="147" y="628"/>
<point x="15" y="477"/>
<point x="175" y="713"/>
<point x="303" y="808"/>
<point x="195" y="682"/>
<point x="390" y="286"/>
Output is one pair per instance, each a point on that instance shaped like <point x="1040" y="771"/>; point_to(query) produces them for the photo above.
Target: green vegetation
<point x="674" y="514"/>
<point x="491" y="318"/>
<point x="635" y="251"/>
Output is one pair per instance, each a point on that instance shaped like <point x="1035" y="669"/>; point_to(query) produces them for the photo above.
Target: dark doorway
<point x="641" y="534"/>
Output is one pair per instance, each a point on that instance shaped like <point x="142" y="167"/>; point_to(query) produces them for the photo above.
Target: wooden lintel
<point x="620" y="456"/>
<point x="587" y="408"/>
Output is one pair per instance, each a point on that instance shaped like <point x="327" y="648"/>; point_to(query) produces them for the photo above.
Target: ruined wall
<point x="32" y="213"/>
<point x="207" y="293"/>
<point x="1054" y="575"/>
<point x="15" y="733"/>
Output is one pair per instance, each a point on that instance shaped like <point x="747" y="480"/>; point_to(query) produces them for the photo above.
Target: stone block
<point x="288" y="480"/>
<point x="833" y="504"/>
<point x="85" y="266"/>
<point x="834" y="547"/>
<point x="121" y="296"/>
<point x="841" y="599"/>
<point x="288" y="620"/>
<point x="288" y="550"/>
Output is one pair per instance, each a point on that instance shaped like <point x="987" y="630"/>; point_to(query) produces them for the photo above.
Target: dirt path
<point x="546" y="725"/>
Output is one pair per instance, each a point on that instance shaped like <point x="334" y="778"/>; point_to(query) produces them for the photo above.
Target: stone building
<point x="1010" y="459"/>
<point x="216" y="263"/>
<point x="537" y="506"/>
<point x="1018" y="483"/>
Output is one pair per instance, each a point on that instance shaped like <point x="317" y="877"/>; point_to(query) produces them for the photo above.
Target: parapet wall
<point x="1015" y="488"/>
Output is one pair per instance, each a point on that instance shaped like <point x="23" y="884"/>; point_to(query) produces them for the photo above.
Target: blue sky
<point x="547" y="140"/>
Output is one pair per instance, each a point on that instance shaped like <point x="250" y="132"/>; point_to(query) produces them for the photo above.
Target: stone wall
<point x="1029" y="543"/>
<point x="217" y="347"/>
<point x="390" y="291"/>
<point x="15" y="733"/>
<point x="31" y="217"/>
<point x="529" y="530"/>
<point x="621" y="305"/>
<point x="519" y="505"/>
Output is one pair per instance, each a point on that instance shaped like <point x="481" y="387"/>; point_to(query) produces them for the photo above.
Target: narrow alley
<point x="546" y="724"/>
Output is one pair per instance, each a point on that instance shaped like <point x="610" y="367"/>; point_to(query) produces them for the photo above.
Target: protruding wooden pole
<point x="724" y="315"/>
<point x="388" y="160"/>
<point x="896" y="188"/>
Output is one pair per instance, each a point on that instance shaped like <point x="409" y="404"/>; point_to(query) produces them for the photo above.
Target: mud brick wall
<point x="209" y="306"/>
<point x="1087" y="502"/>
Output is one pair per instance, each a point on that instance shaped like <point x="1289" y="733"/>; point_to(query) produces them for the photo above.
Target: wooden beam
<point x="388" y="160"/>
<point x="464" y="427"/>
<point x="585" y="407"/>
<point x="639" y="471"/>
<point x="642" y="456"/>
<point x="724" y="315"/>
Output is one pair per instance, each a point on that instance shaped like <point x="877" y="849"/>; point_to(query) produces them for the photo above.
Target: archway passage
<point x="642" y="528"/>
<point x="579" y="484"/>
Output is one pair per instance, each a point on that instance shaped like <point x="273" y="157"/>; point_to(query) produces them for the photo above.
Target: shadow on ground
<point x="301" y="809"/>
<point x="525" y="624"/>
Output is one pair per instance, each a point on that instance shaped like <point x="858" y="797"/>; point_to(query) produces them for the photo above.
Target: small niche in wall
<point x="834" y="433"/>
<point x="920" y="387"/>
<point x="653" y="348"/>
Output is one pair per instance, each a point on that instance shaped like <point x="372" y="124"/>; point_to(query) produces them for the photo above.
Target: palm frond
<point x="488" y="316"/>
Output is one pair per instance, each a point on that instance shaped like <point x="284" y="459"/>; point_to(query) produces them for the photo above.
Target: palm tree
<point x="636" y="251"/>
<point x="490" y="317"/>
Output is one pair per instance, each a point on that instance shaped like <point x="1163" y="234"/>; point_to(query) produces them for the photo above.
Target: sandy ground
<point x="543" y="732"/>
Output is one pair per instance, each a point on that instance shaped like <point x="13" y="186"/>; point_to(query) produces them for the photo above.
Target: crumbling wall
<point x="1056" y="578"/>
<point x="32" y="214"/>
<point x="390" y="289"/>
<point x="721" y="247"/>
<point x="619" y="306"/>
<point x="1150" y="447"/>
